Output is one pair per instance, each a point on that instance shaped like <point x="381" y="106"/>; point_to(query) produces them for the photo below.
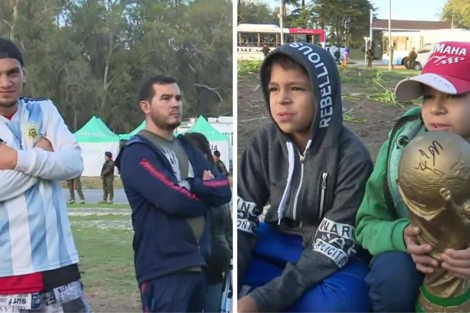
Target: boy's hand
<point x="44" y="144"/>
<point x="457" y="262"/>
<point x="247" y="304"/>
<point x="419" y="253"/>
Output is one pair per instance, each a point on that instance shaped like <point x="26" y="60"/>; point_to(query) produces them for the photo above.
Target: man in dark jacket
<point x="338" y="56"/>
<point x="171" y="187"/>
<point x="219" y="262"/>
<point x="221" y="235"/>
<point x="313" y="171"/>
<point x="107" y="176"/>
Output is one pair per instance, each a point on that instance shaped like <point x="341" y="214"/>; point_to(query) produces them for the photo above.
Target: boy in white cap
<point x="383" y="226"/>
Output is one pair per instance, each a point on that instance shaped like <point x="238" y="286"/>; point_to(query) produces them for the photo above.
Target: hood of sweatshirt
<point x="327" y="124"/>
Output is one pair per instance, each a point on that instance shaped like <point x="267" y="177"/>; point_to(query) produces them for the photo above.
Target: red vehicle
<point x="251" y="38"/>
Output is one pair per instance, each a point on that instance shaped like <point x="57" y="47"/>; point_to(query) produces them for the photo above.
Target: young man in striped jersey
<point x="38" y="258"/>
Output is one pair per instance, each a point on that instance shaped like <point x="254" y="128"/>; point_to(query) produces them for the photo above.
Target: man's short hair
<point x="146" y="91"/>
<point x="8" y="50"/>
<point x="217" y="153"/>
<point x="286" y="62"/>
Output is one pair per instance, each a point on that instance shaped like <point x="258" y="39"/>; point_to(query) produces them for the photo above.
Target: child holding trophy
<point x="383" y="225"/>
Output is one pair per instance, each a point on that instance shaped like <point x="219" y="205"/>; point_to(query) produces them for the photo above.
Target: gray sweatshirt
<point x="315" y="195"/>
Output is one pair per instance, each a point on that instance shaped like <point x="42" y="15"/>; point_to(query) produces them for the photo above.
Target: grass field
<point x="107" y="262"/>
<point x="98" y="206"/>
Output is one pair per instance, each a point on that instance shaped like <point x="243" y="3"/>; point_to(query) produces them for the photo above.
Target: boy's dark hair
<point x="217" y="153"/>
<point x="146" y="91"/>
<point x="286" y="62"/>
<point x="8" y="50"/>
<point x="199" y="141"/>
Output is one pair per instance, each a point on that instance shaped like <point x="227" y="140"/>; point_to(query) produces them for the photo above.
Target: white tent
<point x="217" y="140"/>
<point x="95" y="138"/>
<point x="224" y="124"/>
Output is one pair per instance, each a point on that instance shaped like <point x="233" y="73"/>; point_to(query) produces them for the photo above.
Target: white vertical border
<point x="235" y="155"/>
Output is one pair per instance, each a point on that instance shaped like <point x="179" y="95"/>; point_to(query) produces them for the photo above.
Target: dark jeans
<point x="394" y="282"/>
<point x="177" y="292"/>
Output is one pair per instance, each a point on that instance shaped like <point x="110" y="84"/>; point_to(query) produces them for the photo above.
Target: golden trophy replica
<point x="434" y="181"/>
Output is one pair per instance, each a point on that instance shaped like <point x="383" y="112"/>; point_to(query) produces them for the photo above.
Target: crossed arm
<point x="63" y="163"/>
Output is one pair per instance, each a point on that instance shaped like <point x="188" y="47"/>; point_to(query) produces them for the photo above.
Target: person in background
<point x="107" y="175"/>
<point x="219" y="165"/>
<point x="411" y="62"/>
<point x="265" y="49"/>
<point x="370" y="56"/>
<point x="221" y="237"/>
<point x="338" y="56"/>
<point x="75" y="184"/>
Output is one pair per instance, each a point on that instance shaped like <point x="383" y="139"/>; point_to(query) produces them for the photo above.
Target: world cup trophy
<point x="434" y="182"/>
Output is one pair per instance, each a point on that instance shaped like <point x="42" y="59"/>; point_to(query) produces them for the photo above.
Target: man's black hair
<point x="217" y="153"/>
<point x="199" y="141"/>
<point x="286" y="62"/>
<point x="8" y="50"/>
<point x="146" y="91"/>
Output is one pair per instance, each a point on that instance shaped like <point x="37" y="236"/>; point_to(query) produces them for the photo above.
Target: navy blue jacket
<point x="163" y="241"/>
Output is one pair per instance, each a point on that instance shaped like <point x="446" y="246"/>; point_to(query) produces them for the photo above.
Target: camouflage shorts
<point x="64" y="299"/>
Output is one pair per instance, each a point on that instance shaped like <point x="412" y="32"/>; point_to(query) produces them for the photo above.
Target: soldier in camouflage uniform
<point x="107" y="175"/>
<point x="78" y="185"/>
<point x="370" y="56"/>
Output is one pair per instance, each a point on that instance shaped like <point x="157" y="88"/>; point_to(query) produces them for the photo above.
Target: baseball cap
<point x="447" y="70"/>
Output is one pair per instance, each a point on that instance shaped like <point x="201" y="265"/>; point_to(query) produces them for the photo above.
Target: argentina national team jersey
<point x="35" y="233"/>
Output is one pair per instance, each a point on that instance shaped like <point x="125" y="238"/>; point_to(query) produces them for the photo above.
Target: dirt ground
<point x="370" y="120"/>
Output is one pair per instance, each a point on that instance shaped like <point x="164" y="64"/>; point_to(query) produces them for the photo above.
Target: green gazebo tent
<point x="95" y="138"/>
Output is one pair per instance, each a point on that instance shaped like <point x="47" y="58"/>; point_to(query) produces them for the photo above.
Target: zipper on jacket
<point x="324" y="176"/>
<point x="302" y="158"/>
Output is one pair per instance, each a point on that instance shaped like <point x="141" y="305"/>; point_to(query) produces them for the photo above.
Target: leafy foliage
<point x="89" y="56"/>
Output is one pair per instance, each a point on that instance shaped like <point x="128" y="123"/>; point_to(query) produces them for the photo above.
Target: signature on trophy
<point x="434" y="149"/>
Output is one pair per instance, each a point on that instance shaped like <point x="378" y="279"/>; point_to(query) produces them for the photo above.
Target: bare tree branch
<point x="214" y="90"/>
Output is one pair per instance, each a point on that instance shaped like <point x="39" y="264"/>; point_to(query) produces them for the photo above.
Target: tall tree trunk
<point x="14" y="5"/>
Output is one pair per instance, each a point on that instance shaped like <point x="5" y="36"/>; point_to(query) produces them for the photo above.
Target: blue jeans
<point x="394" y="282"/>
<point x="213" y="298"/>
<point x="344" y="291"/>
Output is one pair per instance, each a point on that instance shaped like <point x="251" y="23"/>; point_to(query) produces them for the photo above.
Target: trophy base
<point x="427" y="303"/>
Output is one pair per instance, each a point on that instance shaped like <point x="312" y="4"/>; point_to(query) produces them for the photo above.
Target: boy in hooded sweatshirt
<point x="313" y="171"/>
<point x="383" y="226"/>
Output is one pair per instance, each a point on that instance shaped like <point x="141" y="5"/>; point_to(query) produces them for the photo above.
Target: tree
<point x="348" y="20"/>
<point x="89" y="56"/>
<point x="256" y="12"/>
<point x="457" y="11"/>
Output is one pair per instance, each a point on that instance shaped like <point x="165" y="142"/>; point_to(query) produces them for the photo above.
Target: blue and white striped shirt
<point x="35" y="233"/>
